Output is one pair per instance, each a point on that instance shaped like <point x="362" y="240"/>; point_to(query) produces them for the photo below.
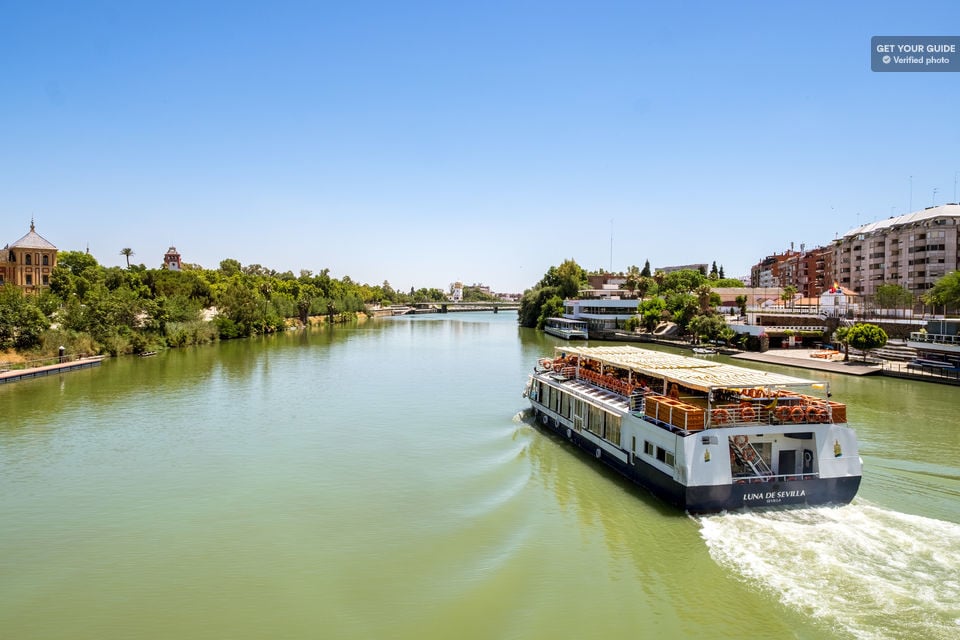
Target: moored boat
<point x="566" y="328"/>
<point x="705" y="436"/>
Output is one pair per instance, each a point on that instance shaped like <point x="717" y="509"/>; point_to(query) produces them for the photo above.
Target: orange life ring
<point x="812" y="414"/>
<point x="740" y="440"/>
<point x="748" y="414"/>
<point x="721" y="416"/>
<point x="749" y="454"/>
<point x="796" y="414"/>
<point x="782" y="413"/>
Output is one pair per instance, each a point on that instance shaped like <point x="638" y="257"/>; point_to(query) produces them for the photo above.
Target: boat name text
<point x="774" y="496"/>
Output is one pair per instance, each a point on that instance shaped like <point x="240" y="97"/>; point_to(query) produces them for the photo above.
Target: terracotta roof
<point x="33" y="240"/>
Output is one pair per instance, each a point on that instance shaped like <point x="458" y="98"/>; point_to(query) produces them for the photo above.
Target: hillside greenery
<point x="93" y="309"/>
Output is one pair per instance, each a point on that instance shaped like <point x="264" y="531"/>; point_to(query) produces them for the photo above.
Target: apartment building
<point x="912" y="250"/>
<point x="811" y="272"/>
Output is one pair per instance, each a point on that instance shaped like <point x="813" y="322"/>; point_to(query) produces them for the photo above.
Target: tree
<point x="651" y="312"/>
<point x="633" y="277"/>
<point x="866" y="336"/>
<point x="714" y="273"/>
<point x="21" y="321"/>
<point x="643" y="285"/>
<point x="658" y="279"/>
<point x="552" y="308"/>
<point x="682" y="281"/>
<point x="705" y="297"/>
<point x="710" y="327"/>
<point x="787" y="296"/>
<point x="893" y="296"/>
<point x="77" y="262"/>
<point x="126" y="252"/>
<point x="531" y="305"/>
<point x="683" y="307"/>
<point x="569" y="277"/>
<point x="841" y="336"/>
<point x="229" y="267"/>
<point x="645" y="272"/>
<point x="945" y="292"/>
<point x="742" y="303"/>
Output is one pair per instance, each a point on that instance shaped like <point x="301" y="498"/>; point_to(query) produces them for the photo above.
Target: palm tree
<point x="703" y="297"/>
<point x="127" y="252"/>
<point x="842" y="336"/>
<point x="787" y="296"/>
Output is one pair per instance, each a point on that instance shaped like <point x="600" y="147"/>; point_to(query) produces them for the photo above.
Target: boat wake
<point x="868" y="571"/>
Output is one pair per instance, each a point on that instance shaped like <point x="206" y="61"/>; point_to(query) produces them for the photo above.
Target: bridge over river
<point x="445" y="307"/>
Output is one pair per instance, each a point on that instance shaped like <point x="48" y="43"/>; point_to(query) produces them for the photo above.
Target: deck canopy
<point x="693" y="373"/>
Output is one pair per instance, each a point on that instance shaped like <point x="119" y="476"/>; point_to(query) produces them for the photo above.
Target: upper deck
<point x="694" y="394"/>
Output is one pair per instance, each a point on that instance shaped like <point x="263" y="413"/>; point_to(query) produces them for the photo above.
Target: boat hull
<point x="701" y="499"/>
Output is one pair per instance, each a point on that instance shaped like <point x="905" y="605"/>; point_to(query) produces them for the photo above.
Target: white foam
<point x="874" y="572"/>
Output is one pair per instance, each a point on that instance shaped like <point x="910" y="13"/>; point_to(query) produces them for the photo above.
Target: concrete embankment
<point x="801" y="358"/>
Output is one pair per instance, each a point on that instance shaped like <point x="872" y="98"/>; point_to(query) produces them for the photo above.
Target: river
<point x="385" y="481"/>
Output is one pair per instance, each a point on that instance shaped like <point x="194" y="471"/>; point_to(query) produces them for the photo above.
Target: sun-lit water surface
<point x="383" y="481"/>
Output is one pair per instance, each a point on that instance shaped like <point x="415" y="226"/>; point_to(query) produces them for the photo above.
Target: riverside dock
<point x="13" y="375"/>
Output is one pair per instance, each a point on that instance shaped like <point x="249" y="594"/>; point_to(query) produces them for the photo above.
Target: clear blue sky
<point x="424" y="143"/>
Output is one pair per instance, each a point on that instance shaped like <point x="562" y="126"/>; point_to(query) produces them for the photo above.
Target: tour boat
<point x="566" y="328"/>
<point x="704" y="435"/>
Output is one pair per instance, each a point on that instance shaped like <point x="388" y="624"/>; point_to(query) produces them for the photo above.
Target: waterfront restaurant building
<point x="28" y="262"/>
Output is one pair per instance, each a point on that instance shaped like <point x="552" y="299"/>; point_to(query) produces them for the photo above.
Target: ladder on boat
<point x="747" y="454"/>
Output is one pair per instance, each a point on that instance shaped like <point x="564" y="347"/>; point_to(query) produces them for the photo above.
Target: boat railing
<point x="813" y="411"/>
<point x="742" y="478"/>
<point x="934" y="338"/>
<point x="608" y="382"/>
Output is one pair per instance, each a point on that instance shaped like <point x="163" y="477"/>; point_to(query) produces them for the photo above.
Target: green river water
<point x="384" y="481"/>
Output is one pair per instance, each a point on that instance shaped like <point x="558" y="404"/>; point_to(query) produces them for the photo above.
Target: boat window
<point x="648" y="448"/>
<point x="595" y="422"/>
<point x="664" y="456"/>
<point x="613" y="429"/>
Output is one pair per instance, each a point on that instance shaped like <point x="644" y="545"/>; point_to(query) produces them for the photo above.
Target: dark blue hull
<point x="716" y="498"/>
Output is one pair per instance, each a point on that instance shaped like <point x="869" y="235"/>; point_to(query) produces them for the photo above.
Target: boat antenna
<point x="611" y="245"/>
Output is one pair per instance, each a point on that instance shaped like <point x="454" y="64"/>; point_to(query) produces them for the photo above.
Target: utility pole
<point x="611" y="245"/>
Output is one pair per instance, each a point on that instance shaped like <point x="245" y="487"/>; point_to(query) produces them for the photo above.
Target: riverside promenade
<point x="13" y="375"/>
<point x="802" y="358"/>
